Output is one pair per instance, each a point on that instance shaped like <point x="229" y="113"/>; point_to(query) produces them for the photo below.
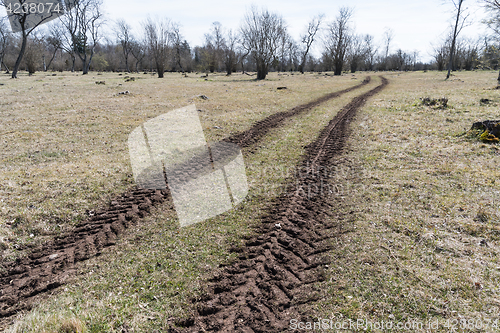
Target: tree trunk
<point x="160" y="71"/>
<point x="452" y="50"/>
<point x="261" y="70"/>
<point x="338" y="67"/>
<point x="50" y="62"/>
<point x="126" y="63"/>
<point x="302" y="64"/>
<point x="20" y="56"/>
<point x="90" y="61"/>
<point x="7" y="71"/>
<point x="498" y="79"/>
<point x="84" y="64"/>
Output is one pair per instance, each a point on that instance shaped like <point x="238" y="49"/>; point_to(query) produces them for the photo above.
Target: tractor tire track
<point x="264" y="289"/>
<point x="50" y="265"/>
<point x="260" y="128"/>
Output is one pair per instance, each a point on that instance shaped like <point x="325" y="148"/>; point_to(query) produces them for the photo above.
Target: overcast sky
<point x="416" y="24"/>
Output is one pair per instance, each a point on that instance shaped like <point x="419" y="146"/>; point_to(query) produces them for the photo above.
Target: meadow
<point x="418" y="192"/>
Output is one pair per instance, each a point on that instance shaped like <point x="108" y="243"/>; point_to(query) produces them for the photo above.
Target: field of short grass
<point x="152" y="273"/>
<point x="424" y="242"/>
<point x="421" y="243"/>
<point x="64" y="138"/>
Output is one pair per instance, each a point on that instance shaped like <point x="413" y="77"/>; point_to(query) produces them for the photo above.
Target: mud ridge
<point x="50" y="265"/>
<point x="275" y="272"/>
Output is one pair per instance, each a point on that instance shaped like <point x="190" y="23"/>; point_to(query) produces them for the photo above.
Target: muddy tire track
<point x="260" y="128"/>
<point x="275" y="272"/>
<point x="50" y="265"/>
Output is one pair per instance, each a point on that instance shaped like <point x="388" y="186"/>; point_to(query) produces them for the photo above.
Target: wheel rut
<point x="50" y="265"/>
<point x="276" y="269"/>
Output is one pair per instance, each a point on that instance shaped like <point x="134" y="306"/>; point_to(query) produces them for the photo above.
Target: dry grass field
<point x="422" y="230"/>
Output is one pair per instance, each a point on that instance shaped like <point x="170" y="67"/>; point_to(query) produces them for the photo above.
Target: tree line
<point x="76" y="41"/>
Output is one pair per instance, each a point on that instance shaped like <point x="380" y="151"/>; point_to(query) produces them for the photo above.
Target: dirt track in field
<point x="49" y="266"/>
<point x="259" y="129"/>
<point x="262" y="291"/>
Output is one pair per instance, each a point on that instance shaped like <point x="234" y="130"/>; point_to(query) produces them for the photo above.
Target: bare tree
<point x="440" y="55"/>
<point x="459" y="24"/>
<point x="34" y="48"/>
<point x="158" y="40"/>
<point x="308" y="38"/>
<point x="356" y="53"/>
<point x="214" y="47"/>
<point x="54" y="41"/>
<point x="370" y="51"/>
<point x="284" y="40"/>
<point x="5" y="40"/>
<point x="25" y="21"/>
<point x="67" y="27"/>
<point x="124" y="37"/>
<point x="388" y="37"/>
<point x="339" y="39"/>
<point x="83" y="30"/>
<point x="260" y="34"/>
<point x="293" y="53"/>
<point x="493" y="7"/>
<point x="230" y="55"/>
<point x="138" y="51"/>
<point x="178" y="45"/>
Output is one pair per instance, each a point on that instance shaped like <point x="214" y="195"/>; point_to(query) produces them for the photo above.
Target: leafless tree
<point x="124" y="36"/>
<point x="388" y="37"/>
<point x="356" y="53"/>
<point x="67" y="27"/>
<point x="339" y="38"/>
<point x="83" y="26"/>
<point x="493" y="22"/>
<point x="158" y="36"/>
<point x="230" y="55"/>
<point x="284" y="40"/>
<point x="53" y="41"/>
<point x="461" y="18"/>
<point x="138" y="51"/>
<point x="370" y="51"/>
<point x="387" y="41"/>
<point x="26" y="22"/>
<point x="5" y="40"/>
<point x="293" y="54"/>
<point x="260" y="36"/>
<point x="414" y="59"/>
<point x="34" y="48"/>
<point x="214" y="46"/>
<point x="441" y="52"/>
<point x="177" y="45"/>
<point x="309" y="37"/>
